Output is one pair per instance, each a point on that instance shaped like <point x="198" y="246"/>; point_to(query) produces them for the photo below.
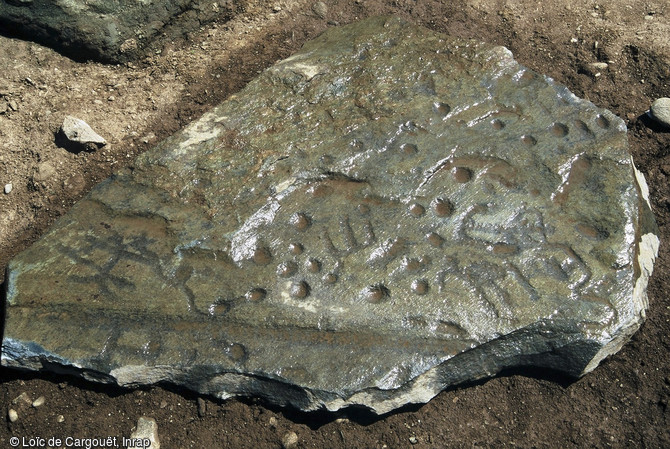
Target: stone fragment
<point x="387" y="213"/>
<point x="19" y="405"/>
<point x="660" y="111"/>
<point x="8" y="188"/>
<point x="202" y="407"/>
<point x="594" y="69"/>
<point x="39" y="402"/>
<point x="145" y="434"/>
<point x="320" y="9"/>
<point x="111" y="31"/>
<point x="599" y="65"/>
<point x="79" y="135"/>
<point x="22" y="401"/>
<point x="289" y="440"/>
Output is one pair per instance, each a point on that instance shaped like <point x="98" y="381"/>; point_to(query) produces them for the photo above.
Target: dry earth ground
<point x="624" y="403"/>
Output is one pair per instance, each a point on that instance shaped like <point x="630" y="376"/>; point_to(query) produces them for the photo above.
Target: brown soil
<point x="623" y="403"/>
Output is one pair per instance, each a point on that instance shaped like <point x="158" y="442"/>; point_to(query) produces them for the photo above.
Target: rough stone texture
<point x="76" y="133"/>
<point x="384" y="214"/>
<point x="114" y="31"/>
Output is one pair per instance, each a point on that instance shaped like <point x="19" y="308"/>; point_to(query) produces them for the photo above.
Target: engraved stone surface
<point x="387" y="213"/>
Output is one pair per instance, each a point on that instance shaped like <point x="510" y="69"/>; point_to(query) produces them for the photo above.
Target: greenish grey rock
<point x="108" y="30"/>
<point x="388" y="212"/>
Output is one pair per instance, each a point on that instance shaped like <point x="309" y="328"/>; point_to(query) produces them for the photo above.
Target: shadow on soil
<point x="652" y="124"/>
<point x="313" y="420"/>
<point x="3" y="306"/>
<point x="365" y="417"/>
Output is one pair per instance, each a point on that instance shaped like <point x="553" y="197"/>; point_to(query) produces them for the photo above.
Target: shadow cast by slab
<point x="652" y="124"/>
<point x="365" y="417"/>
<point x="49" y="38"/>
<point x="3" y="310"/>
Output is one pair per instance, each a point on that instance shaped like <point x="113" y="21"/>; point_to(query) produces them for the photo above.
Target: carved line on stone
<point x="116" y="248"/>
<point x="522" y="280"/>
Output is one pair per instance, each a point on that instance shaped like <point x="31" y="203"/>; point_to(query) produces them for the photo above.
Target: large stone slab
<point x="108" y="30"/>
<point x="387" y="213"/>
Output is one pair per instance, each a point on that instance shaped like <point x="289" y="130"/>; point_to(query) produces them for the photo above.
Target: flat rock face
<point x="384" y="214"/>
<point x="117" y="30"/>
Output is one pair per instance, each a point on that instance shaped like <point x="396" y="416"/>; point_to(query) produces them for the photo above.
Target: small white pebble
<point x="60" y="418"/>
<point x="289" y="440"/>
<point x="147" y="429"/>
<point x="8" y="188"/>
<point x="599" y="65"/>
<point x="39" y="401"/>
<point x="12" y="415"/>
<point x="272" y="421"/>
<point x="660" y="110"/>
<point x="413" y="440"/>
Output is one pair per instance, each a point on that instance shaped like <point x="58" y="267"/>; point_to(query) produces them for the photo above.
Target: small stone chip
<point x="12" y="415"/>
<point x="78" y="132"/>
<point x="660" y="111"/>
<point x="320" y="9"/>
<point x="22" y="400"/>
<point x="39" y="402"/>
<point x="146" y="429"/>
<point x="289" y="440"/>
<point x="202" y="407"/>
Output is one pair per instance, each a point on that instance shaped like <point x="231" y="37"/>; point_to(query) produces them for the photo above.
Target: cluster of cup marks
<point x="439" y="207"/>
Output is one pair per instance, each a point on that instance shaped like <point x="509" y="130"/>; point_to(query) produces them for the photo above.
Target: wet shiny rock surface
<point x="387" y="213"/>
